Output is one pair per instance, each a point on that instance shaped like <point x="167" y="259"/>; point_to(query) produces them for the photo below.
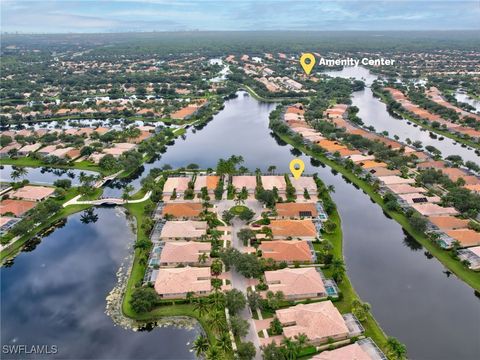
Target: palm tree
<point x="224" y="342"/>
<point x="213" y="353"/>
<point x="200" y="345"/>
<point x="331" y="188"/>
<point x="216" y="321"/>
<point x="301" y="339"/>
<point x="202" y="258"/>
<point x="217" y="299"/>
<point x="201" y="307"/>
<point x="271" y="169"/>
<point x="14" y="175"/>
<point x="291" y="348"/>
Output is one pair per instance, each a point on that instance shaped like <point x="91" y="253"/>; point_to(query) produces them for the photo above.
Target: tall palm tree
<point x="201" y="307"/>
<point x="200" y="345"/>
<point x="331" y="188"/>
<point x="216" y="321"/>
<point x="224" y="342"/>
<point x="291" y="348"/>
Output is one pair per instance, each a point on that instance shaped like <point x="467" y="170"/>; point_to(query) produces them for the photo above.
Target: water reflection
<point x="56" y="294"/>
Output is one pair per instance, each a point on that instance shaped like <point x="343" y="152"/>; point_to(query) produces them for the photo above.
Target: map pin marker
<point x="307" y="61"/>
<point x="296" y="168"/>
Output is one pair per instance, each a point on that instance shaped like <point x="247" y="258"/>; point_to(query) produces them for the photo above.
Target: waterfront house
<point x="448" y="222"/>
<point x="183" y="230"/>
<point x="289" y="251"/>
<point x="208" y="181"/>
<point x="427" y="209"/>
<point x="185" y="253"/>
<point x="404" y="189"/>
<point x="27" y="149"/>
<point x="320" y="321"/>
<point x="302" y="183"/>
<point x="364" y="349"/>
<point x="298" y="229"/>
<point x="176" y="283"/>
<point x="472" y="255"/>
<point x="296" y="210"/>
<point x="245" y="181"/>
<point x="16" y="207"/>
<point x="394" y="180"/>
<point x="416" y="198"/>
<point x="32" y="193"/>
<point x="179" y="184"/>
<point x="466" y="237"/>
<point x="270" y="182"/>
<point x="296" y="284"/>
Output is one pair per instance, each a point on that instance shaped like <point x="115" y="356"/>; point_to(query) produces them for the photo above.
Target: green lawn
<point x="238" y="209"/>
<point x="469" y="276"/>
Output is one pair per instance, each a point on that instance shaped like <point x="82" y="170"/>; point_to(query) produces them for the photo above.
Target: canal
<point x="374" y="113"/>
<point x="412" y="296"/>
<point x="55" y="295"/>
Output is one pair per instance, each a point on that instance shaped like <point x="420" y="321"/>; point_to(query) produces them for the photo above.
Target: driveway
<point x="241" y="283"/>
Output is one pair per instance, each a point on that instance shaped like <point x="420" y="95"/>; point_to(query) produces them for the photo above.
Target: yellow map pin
<point x="307" y="61"/>
<point x="296" y="168"/>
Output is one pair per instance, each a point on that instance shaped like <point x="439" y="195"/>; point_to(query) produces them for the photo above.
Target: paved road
<point x="239" y="282"/>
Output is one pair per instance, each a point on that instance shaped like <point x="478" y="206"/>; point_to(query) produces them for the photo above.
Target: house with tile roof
<point x="297" y="283"/>
<point x="182" y="210"/>
<point x="289" y="251"/>
<point x="320" y="321"/>
<point x="176" y="253"/>
<point x="296" y="210"/>
<point x="297" y="229"/>
<point x="183" y="230"/>
<point x="176" y="283"/>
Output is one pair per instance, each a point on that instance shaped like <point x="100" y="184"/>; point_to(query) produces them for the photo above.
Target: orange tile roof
<point x="448" y="222"/>
<point x="180" y="210"/>
<point x="331" y="146"/>
<point x="294" y="209"/>
<point x="286" y="250"/>
<point x="466" y="237"/>
<point x="367" y="164"/>
<point x="293" y="228"/>
<point x="16" y="207"/>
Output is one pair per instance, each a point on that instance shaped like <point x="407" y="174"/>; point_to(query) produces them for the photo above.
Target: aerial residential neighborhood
<point x="249" y="180"/>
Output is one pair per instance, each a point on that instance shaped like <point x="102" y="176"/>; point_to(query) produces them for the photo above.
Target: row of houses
<point x="180" y="184"/>
<point x="318" y="318"/>
<point x="398" y="96"/>
<point x="17" y="203"/>
<point x="404" y="189"/>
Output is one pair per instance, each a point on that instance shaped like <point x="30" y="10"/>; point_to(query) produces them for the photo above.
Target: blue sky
<point x="63" y="16"/>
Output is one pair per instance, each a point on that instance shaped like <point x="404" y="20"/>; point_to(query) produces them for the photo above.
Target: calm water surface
<point x="45" y="175"/>
<point x="55" y="295"/>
